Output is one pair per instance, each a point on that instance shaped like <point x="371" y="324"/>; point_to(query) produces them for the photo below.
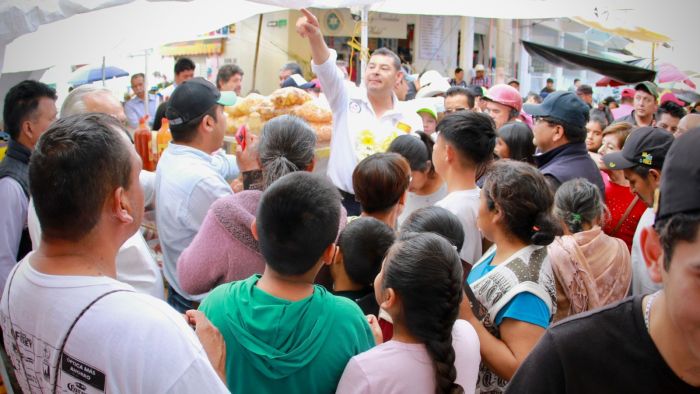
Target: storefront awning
<point x="573" y="60"/>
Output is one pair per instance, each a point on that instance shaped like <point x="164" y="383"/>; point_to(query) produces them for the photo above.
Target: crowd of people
<point x="486" y="244"/>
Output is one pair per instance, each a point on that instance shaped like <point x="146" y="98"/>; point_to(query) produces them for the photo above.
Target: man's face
<point x="688" y="122"/>
<point x="499" y="113"/>
<point x="682" y="293"/>
<point x="137" y="87"/>
<point x="284" y="74"/>
<point x="184" y="76"/>
<point x="135" y="191"/>
<point x="668" y="122"/>
<point x="544" y="134"/>
<point x="457" y="102"/>
<point x="233" y="84"/>
<point x="587" y="98"/>
<point x="480" y="74"/>
<point x="644" y="103"/>
<point x="642" y="187"/>
<point x="219" y="127"/>
<point x="438" y="157"/>
<point x="41" y="119"/>
<point x="105" y="103"/>
<point x="550" y="84"/>
<point x="460" y="75"/>
<point x="381" y="75"/>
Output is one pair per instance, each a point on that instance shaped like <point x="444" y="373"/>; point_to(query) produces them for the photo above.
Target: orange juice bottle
<point x="164" y="136"/>
<point x="142" y="141"/>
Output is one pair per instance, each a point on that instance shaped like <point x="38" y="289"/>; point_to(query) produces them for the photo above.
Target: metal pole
<point x="257" y="51"/>
<point x="145" y="83"/>
<point x="653" y="48"/>
<point x="364" y="39"/>
<point x="103" y="71"/>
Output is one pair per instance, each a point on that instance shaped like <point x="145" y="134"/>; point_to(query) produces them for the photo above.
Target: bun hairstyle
<point x="417" y="152"/>
<point x="434" y="219"/>
<point x="286" y="145"/>
<point x="426" y="273"/>
<point x="523" y="196"/>
<point x="380" y="180"/>
<point x="576" y="202"/>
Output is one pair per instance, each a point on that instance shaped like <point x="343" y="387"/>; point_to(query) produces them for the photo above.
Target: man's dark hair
<point x="297" y="220"/>
<point x="227" y="72"/>
<point x="550" y="80"/>
<point x="458" y="70"/>
<point x="187" y="131"/>
<point x="75" y="167"/>
<point x="460" y="91"/>
<point x="380" y="180"/>
<point x="364" y="243"/>
<point x="21" y="102"/>
<point x="295" y="68"/>
<point x="136" y="76"/>
<point x="575" y="80"/>
<point x="642" y="171"/>
<point x="679" y="227"/>
<point x="183" y="64"/>
<point x="383" y="51"/>
<point x="472" y="134"/>
<point x="672" y="109"/>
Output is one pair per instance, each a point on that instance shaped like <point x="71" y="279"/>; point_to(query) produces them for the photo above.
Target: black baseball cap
<point x="297" y="81"/>
<point x="562" y="106"/>
<point x="645" y="146"/>
<point x="680" y="184"/>
<point x="193" y="98"/>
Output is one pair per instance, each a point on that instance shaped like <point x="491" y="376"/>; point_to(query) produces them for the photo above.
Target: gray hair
<point x="75" y="101"/>
<point x="578" y="201"/>
<point x="287" y="145"/>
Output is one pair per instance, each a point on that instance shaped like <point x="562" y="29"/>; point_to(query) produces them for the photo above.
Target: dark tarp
<point x="573" y="60"/>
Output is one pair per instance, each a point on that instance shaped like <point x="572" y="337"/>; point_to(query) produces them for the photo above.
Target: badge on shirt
<point x="355" y="107"/>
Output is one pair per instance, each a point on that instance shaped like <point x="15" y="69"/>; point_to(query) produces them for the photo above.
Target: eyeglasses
<point x="451" y="110"/>
<point x="550" y="121"/>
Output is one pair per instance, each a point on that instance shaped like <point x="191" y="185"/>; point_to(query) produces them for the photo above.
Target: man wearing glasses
<point x="458" y="98"/>
<point x="560" y="138"/>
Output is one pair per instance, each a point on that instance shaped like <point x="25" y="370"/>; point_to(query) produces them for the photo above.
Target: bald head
<point x="89" y="98"/>
<point x="688" y="122"/>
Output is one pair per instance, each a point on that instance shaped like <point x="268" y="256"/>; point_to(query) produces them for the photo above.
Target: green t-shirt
<point x="275" y="345"/>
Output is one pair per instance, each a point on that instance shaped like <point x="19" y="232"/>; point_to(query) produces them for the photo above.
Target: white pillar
<point x="466" y="50"/>
<point x="524" y="66"/>
<point x="559" y="78"/>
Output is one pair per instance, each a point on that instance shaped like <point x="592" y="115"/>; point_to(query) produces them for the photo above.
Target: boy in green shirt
<point x="282" y="332"/>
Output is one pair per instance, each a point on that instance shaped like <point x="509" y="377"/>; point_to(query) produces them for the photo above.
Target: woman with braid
<point x="513" y="283"/>
<point x="592" y="269"/>
<point x="420" y="286"/>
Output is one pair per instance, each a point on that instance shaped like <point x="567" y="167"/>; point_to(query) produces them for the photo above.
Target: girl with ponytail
<point x="420" y="286"/>
<point x="513" y="282"/>
<point x="426" y="187"/>
<point x="224" y="249"/>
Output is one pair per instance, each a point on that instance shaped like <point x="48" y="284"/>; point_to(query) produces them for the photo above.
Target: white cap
<point x="479" y="67"/>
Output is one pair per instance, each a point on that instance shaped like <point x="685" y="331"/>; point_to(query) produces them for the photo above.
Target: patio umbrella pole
<point x="364" y="35"/>
<point x="103" y="71"/>
<point x="257" y="50"/>
<point x="145" y="82"/>
<point x="653" y="48"/>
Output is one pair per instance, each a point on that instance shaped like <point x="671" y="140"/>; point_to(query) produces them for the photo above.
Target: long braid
<point x="426" y="272"/>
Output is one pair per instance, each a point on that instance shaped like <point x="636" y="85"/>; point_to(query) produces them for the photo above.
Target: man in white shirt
<point x="366" y="120"/>
<point x="68" y="325"/>
<point x="191" y="174"/>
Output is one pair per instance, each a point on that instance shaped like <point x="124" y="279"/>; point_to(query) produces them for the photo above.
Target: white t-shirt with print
<point x="126" y="342"/>
<point x="465" y="204"/>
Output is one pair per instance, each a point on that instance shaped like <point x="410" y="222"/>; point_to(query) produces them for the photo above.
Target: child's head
<point x="515" y="142"/>
<point x="516" y="201"/>
<point x="418" y="153"/>
<point x="380" y="182"/>
<point x="362" y="247"/>
<point x="438" y="220"/>
<point x="287" y="144"/>
<point x="578" y="203"/>
<point x="429" y="118"/>
<point x="297" y="222"/>
<point x="420" y="286"/>
<point x="466" y="140"/>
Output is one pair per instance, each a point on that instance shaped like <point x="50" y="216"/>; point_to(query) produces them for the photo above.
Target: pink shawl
<point x="591" y="269"/>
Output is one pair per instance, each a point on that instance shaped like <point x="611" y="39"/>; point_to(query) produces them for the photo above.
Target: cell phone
<point x="242" y="136"/>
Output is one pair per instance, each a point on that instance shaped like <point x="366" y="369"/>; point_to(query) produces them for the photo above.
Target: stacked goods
<point x="254" y="110"/>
